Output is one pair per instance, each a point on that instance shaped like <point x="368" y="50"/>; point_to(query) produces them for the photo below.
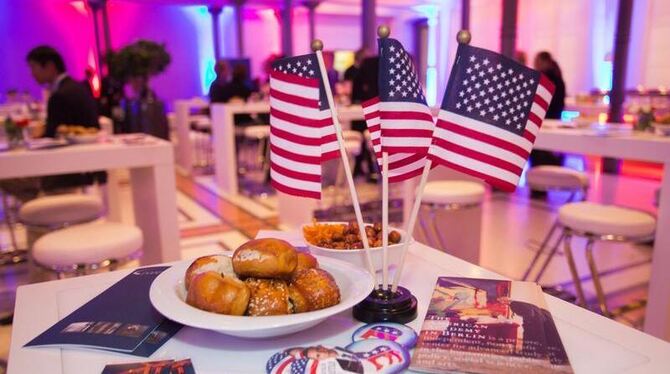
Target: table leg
<point x="155" y="207"/>
<point x="657" y="319"/>
<point x="184" y="147"/>
<point x="113" y="196"/>
<point x="223" y="142"/>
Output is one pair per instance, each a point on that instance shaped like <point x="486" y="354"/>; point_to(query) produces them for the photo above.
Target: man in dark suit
<point x="70" y="103"/>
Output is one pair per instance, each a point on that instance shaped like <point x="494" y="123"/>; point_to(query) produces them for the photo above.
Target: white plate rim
<point x="164" y="298"/>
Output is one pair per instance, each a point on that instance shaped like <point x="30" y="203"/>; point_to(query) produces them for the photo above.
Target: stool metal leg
<point x="440" y="239"/>
<point x="553" y="251"/>
<point x="573" y="268"/>
<point x="596" y="279"/>
<point x="540" y="250"/>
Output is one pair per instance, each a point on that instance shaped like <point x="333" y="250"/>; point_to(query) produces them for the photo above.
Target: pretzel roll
<point x="217" y="263"/>
<point x="265" y="258"/>
<point x="269" y="297"/>
<point x="313" y="289"/>
<point x="306" y="261"/>
<point x="214" y="293"/>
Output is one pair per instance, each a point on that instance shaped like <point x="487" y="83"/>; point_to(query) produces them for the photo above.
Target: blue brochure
<point x="120" y="319"/>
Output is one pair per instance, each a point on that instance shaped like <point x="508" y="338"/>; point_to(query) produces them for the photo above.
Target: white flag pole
<point x="385" y="218"/>
<point x="409" y="228"/>
<point x="317" y="46"/>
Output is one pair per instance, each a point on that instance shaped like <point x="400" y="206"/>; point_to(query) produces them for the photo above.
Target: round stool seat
<point x="61" y="209"/>
<point x="257" y="132"/>
<point x="90" y="243"/>
<point x="453" y="192"/>
<point x="606" y="220"/>
<point x="547" y="177"/>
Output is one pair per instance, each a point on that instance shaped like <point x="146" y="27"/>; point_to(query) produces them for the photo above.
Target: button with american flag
<point x="391" y="331"/>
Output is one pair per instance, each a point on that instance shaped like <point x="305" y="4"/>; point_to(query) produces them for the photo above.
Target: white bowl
<point x="168" y="296"/>
<point x="357" y="256"/>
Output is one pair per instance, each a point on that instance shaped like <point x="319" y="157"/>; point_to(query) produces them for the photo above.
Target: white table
<point x="630" y="146"/>
<point x="223" y="133"/>
<point x="184" y="148"/>
<point x="594" y="344"/>
<point x="151" y="175"/>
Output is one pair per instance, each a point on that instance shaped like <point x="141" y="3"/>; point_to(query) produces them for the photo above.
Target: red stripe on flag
<point x="405" y="176"/>
<point x="294" y="191"/>
<point x="295" y="174"/>
<point x="374" y="128"/>
<point x="511" y="147"/>
<point x="371" y="115"/>
<point x="293" y="99"/>
<point x="406" y="149"/>
<point x="479" y="156"/>
<point x="495" y="182"/>
<point x="302" y="121"/>
<point x="529" y="136"/>
<point x="295" y="138"/>
<point x="294" y="156"/>
<point x="532" y="117"/>
<point x="295" y="79"/>
<point x="369" y="102"/>
<point x="409" y="115"/>
<point x="330" y="155"/>
<point x="548" y="84"/>
<point x="406" y="161"/>
<point x="540" y="101"/>
<point x="406" y="133"/>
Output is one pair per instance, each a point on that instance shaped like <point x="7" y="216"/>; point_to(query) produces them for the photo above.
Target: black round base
<point x="385" y="306"/>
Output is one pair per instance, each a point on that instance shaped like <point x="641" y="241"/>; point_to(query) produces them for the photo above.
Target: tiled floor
<point x="512" y="227"/>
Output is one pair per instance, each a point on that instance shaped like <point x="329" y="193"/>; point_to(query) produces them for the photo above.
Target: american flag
<point x="491" y="113"/>
<point x="279" y="363"/>
<point x="302" y="134"/>
<point x="399" y="121"/>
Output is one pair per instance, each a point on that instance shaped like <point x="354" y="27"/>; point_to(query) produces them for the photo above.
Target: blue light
<point x="569" y="115"/>
<point x="201" y="19"/>
<point x="575" y="162"/>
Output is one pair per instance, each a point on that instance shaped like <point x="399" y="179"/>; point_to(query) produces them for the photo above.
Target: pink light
<point x="94" y="80"/>
<point x="80" y="6"/>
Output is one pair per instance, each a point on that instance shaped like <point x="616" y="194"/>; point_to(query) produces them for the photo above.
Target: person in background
<point x="353" y="70"/>
<point x="365" y="87"/>
<point x="237" y="87"/>
<point x="545" y="64"/>
<point x="520" y="57"/>
<point x="70" y="103"/>
<point x="216" y="88"/>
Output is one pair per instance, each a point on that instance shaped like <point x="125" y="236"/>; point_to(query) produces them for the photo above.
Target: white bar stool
<point x="448" y="195"/>
<point x="82" y="248"/>
<point x="259" y="134"/>
<point x="597" y="222"/>
<point x="53" y="212"/>
<point x="553" y="178"/>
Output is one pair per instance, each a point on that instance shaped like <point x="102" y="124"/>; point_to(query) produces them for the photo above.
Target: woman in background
<point x="545" y="64"/>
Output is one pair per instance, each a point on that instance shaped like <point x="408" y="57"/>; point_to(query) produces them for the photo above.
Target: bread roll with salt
<point x="265" y="258"/>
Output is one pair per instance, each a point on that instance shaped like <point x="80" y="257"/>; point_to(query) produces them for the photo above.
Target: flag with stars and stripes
<point x="302" y="134"/>
<point x="491" y="113"/>
<point x="398" y="119"/>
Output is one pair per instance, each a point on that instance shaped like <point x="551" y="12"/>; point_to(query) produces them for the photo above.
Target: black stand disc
<point x="386" y="306"/>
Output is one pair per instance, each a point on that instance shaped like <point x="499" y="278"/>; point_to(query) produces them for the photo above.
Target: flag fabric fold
<point x="398" y="119"/>
<point x="302" y="133"/>
<point x="490" y="116"/>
